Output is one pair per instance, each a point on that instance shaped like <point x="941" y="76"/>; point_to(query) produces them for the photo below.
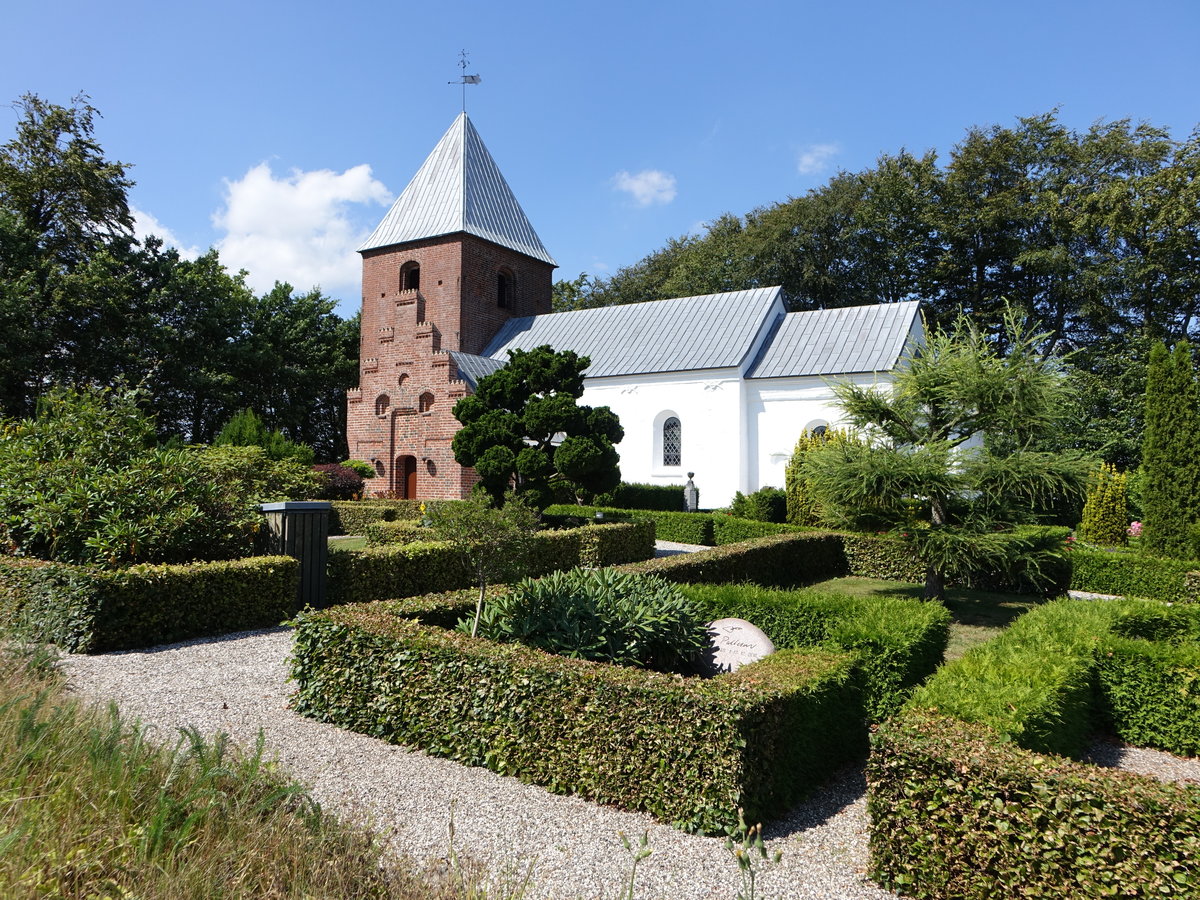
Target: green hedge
<point x="92" y="611"/>
<point x="353" y="516"/>
<point x="956" y="812"/>
<point x="961" y="800"/>
<point x="732" y="530"/>
<point x="784" y="560"/>
<point x="882" y="556"/>
<point x="680" y="527"/>
<point x="385" y="571"/>
<point x="664" y="497"/>
<point x="398" y="531"/>
<point x="1132" y="575"/>
<point x="900" y="642"/>
<point x="688" y="751"/>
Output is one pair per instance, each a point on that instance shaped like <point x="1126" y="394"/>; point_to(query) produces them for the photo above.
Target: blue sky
<point x="279" y="132"/>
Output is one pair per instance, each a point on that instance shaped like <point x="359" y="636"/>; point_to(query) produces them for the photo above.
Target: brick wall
<point x="408" y="384"/>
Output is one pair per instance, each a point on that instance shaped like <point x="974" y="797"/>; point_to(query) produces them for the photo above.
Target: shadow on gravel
<point x="841" y="790"/>
<point x="193" y="642"/>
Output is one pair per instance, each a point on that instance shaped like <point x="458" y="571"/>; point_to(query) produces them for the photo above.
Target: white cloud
<point x="646" y="187"/>
<point x="145" y="225"/>
<point x="814" y="158"/>
<point x="297" y="228"/>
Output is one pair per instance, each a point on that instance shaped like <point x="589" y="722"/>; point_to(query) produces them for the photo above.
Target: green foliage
<point x="616" y="543"/>
<point x="513" y="422"/>
<point x="802" y="506"/>
<point x="961" y="385"/>
<point x="884" y="556"/>
<point x="1133" y="575"/>
<point x="956" y="811"/>
<point x="680" y="527"/>
<point x="83" y="483"/>
<point x="601" y="615"/>
<point x="401" y="531"/>
<point x="767" y="504"/>
<point x="900" y="642"/>
<point x="783" y="560"/>
<point x="353" y="516"/>
<point x="1171" y="453"/>
<point x="1150" y="691"/>
<point x="1106" y="512"/>
<point x="732" y="530"/>
<point x="688" y="751"/>
<point x="246" y="429"/>
<point x="364" y="469"/>
<point x="664" y="497"/>
<point x="87" y="610"/>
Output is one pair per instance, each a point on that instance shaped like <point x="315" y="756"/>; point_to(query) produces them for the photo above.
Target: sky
<point x="279" y="133"/>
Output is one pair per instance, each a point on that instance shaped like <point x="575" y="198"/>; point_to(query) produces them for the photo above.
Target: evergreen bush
<point x="1106" y="511"/>
<point x="767" y="504"/>
<point x="802" y="506"/>
<point x="1170" y="479"/>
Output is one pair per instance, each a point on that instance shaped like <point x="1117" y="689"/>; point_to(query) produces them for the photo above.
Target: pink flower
<point x="1135" y="529"/>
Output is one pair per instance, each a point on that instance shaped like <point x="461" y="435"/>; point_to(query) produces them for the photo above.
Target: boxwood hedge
<point x="91" y="610"/>
<point x="784" y="560"/>
<point x="688" y="751"/>
<point x="353" y="516"/>
<point x="900" y="642"/>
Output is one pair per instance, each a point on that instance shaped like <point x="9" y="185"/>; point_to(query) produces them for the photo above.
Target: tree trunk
<point x="935" y="584"/>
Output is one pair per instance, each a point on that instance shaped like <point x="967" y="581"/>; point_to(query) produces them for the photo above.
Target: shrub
<point x="731" y="530"/>
<point x="1132" y="575"/>
<point x="615" y="543"/>
<point x="768" y="504"/>
<point x="662" y="497"/>
<point x="783" y="560"/>
<point x="882" y="556"/>
<point x="599" y="614"/>
<point x="687" y="751"/>
<point x="1150" y="691"/>
<point x="401" y="531"/>
<point x="362" y="467"/>
<point x="956" y="812"/>
<point x="81" y="483"/>
<point x="682" y="527"/>
<point x="802" y="506"/>
<point x="246" y="429"/>
<point x="353" y="516"/>
<point x="339" y="482"/>
<point x="87" y="610"/>
<point x="900" y="642"/>
<point x="1106" y="511"/>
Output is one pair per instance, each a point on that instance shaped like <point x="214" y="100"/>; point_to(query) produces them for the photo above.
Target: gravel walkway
<point x="238" y="684"/>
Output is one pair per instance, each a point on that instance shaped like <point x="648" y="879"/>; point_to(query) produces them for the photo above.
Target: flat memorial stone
<point x="733" y="643"/>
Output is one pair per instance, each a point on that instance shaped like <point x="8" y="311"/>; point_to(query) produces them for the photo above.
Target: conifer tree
<point x="1171" y="452"/>
<point x="1106" y="512"/>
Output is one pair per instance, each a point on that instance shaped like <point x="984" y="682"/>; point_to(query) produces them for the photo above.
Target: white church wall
<point x="779" y="409"/>
<point x="708" y="405"/>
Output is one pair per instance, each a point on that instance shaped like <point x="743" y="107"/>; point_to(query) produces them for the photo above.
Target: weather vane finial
<point x="465" y="79"/>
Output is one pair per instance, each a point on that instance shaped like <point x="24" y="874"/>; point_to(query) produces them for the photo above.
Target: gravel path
<point x="237" y="684"/>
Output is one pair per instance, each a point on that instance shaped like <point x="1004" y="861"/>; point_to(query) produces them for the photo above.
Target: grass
<point x="977" y="616"/>
<point x="90" y="808"/>
<point x="347" y="542"/>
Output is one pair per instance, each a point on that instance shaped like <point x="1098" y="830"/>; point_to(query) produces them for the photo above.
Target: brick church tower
<point x="451" y="262"/>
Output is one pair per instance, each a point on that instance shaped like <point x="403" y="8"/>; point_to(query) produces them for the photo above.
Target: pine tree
<point x="1106" y="512"/>
<point x="1171" y="452"/>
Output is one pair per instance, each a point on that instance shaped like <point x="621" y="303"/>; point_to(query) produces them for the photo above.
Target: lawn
<point x="978" y="616"/>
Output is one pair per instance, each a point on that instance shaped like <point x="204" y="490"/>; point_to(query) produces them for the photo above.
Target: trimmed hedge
<point x="900" y="642"/>
<point x="688" y="751"/>
<point x="732" y="530"/>
<point x="1132" y="575"/>
<point x="961" y="801"/>
<point x="86" y="610"/>
<point x="398" y="531"/>
<point x="664" y="497"/>
<point x="680" y="527"/>
<point x="956" y="812"/>
<point x="353" y="516"/>
<point x="385" y="571"/>
<point x="882" y="556"/>
<point x="785" y="560"/>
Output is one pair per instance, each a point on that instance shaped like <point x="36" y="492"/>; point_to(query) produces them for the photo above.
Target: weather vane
<point x="464" y="79"/>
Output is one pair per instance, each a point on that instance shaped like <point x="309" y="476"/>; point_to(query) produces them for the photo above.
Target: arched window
<point x="504" y="289"/>
<point x="817" y="427"/>
<point x="378" y="468"/>
<point x="672" y="442"/>
<point x="425" y="402"/>
<point x="410" y="276"/>
<point x="401" y="380"/>
<point x="382" y="402"/>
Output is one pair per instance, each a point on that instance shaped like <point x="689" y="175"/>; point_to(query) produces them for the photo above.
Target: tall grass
<point x="89" y="808"/>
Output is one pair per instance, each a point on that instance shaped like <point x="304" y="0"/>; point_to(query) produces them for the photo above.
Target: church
<point x="718" y="385"/>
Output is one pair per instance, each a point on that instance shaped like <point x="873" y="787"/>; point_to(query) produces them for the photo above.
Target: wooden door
<point x="406" y="477"/>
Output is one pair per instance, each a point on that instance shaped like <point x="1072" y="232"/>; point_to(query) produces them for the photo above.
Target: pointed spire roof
<point x="459" y="188"/>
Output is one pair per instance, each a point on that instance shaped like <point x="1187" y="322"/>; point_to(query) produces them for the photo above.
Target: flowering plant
<point x="1135" y="529"/>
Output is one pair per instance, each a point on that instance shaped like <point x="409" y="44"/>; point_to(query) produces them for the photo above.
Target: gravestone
<point x="733" y="643"/>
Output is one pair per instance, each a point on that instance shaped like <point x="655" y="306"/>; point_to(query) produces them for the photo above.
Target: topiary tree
<point x="1170" y="472"/>
<point x="802" y="507"/>
<point x="524" y="430"/>
<point x="1106" y="512"/>
<point x="956" y="502"/>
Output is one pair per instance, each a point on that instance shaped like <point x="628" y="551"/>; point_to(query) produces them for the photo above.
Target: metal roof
<point x="837" y="341"/>
<point x="714" y="331"/>
<point x="459" y="188"/>
<point x="471" y="367"/>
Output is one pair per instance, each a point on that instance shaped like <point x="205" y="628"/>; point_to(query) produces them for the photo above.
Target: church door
<point x="406" y="477"/>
